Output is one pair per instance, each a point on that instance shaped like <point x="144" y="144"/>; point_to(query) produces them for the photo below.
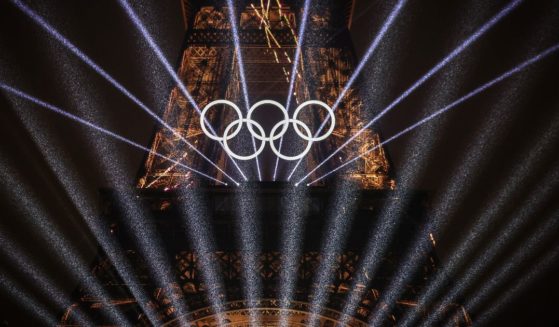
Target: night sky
<point x="502" y="141"/>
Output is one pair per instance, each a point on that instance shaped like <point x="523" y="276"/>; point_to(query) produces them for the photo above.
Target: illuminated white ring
<point x="240" y="123"/>
<point x="323" y="105"/>
<point x="302" y="154"/>
<point x="262" y="134"/>
<point x="224" y="137"/>
<point x="285" y="120"/>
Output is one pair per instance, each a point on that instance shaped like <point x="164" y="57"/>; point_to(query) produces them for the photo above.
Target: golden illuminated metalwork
<point x="192" y="290"/>
<point x="209" y="69"/>
<point x="190" y="287"/>
<point x="268" y="40"/>
<point x="269" y="313"/>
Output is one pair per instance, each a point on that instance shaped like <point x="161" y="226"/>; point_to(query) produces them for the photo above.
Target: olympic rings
<point x="274" y="134"/>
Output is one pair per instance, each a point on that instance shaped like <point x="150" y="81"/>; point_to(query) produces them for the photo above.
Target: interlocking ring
<point x="274" y="134"/>
<point x="249" y="123"/>
<point x="330" y="113"/>
<point x="277" y="105"/>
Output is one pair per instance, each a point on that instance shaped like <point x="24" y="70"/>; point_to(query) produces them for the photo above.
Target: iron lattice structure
<point x="209" y="69"/>
<point x="167" y="215"/>
<point x="267" y="30"/>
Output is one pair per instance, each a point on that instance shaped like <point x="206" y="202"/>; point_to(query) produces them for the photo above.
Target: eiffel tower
<point x="210" y="70"/>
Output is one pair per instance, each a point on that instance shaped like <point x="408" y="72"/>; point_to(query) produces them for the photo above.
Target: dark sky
<point x="504" y="139"/>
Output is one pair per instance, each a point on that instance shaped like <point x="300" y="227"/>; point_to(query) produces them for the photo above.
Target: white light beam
<point x="299" y="43"/>
<point x="99" y="129"/>
<point x="26" y="301"/>
<point x="70" y="46"/>
<point x="458" y="50"/>
<point x="38" y="279"/>
<point x="244" y="88"/>
<point x="359" y="68"/>
<point x="473" y="93"/>
<point x="149" y="39"/>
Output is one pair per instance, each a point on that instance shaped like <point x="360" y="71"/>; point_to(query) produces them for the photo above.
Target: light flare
<point x="247" y="229"/>
<point x="200" y="233"/>
<point x="518" y="287"/>
<point x="493" y="252"/>
<point x="374" y="45"/>
<point x="32" y="211"/>
<point x="467" y="245"/>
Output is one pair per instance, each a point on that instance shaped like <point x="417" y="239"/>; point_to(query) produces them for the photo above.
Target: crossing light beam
<point x="59" y="111"/>
<point x="149" y="39"/>
<point x="83" y="57"/>
<point x="458" y="50"/>
<point x="473" y="93"/>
